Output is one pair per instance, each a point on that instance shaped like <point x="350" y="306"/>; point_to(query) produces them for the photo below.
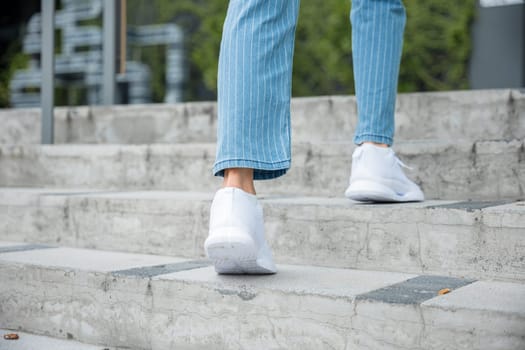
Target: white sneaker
<point x="236" y="243"/>
<point x="377" y="177"/>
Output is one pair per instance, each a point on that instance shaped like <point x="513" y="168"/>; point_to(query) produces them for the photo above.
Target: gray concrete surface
<point x="29" y="341"/>
<point x="86" y="259"/>
<point x="301" y="307"/>
<point x="472" y="115"/>
<point x="431" y="237"/>
<point x="415" y="290"/>
<point x="483" y="302"/>
<point x="475" y="322"/>
<point x="6" y="244"/>
<point x="173" y="300"/>
<point x="21" y="247"/>
<point x="445" y="170"/>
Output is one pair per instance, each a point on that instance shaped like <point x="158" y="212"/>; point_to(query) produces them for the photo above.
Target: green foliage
<point x="201" y="21"/>
<point x="437" y="45"/>
<point x="10" y="61"/>
<point x="323" y="54"/>
<point x="435" y="56"/>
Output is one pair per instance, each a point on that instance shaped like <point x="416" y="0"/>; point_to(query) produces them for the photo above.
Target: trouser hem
<point x="359" y="139"/>
<point x="261" y="170"/>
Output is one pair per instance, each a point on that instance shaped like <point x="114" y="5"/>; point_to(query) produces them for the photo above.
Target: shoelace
<point x="398" y="161"/>
<point x="402" y="164"/>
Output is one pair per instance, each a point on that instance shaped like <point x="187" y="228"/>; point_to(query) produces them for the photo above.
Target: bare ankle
<point x="240" y="178"/>
<point x="384" y="145"/>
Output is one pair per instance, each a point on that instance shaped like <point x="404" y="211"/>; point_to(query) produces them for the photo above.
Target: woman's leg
<point x="377" y="43"/>
<point x="254" y="87"/>
<point x="255" y="67"/>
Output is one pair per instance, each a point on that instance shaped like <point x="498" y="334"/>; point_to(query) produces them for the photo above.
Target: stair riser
<point x="483" y="170"/>
<point x="474" y="115"/>
<point x="90" y="307"/>
<point x="157" y="314"/>
<point x="478" y="244"/>
<point x="437" y="241"/>
<point x="403" y="327"/>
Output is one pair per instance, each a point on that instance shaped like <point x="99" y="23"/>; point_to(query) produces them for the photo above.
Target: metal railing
<point x="48" y="71"/>
<point x="89" y="55"/>
<point x="48" y="62"/>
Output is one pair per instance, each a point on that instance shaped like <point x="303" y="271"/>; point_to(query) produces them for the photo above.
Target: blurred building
<point x="498" y="55"/>
<point x="79" y="61"/>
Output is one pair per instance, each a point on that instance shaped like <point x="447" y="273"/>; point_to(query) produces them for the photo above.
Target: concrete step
<point x="473" y="115"/>
<point x="28" y="341"/>
<point x="153" y="302"/>
<point x="445" y="170"/>
<point x="462" y="239"/>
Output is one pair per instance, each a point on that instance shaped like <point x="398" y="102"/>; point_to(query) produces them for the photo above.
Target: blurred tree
<point x="201" y="22"/>
<point x="323" y="52"/>
<point x="13" y="18"/>
<point x="435" y="57"/>
<point x="11" y="60"/>
<point x="437" y="45"/>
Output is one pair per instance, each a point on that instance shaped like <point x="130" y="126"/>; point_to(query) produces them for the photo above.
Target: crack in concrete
<point x="512" y="113"/>
<point x="420" y="255"/>
<point x="423" y="328"/>
<point x="374" y="336"/>
<point x="363" y="246"/>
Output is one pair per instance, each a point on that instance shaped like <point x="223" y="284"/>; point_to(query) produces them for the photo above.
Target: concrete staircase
<point x="101" y="235"/>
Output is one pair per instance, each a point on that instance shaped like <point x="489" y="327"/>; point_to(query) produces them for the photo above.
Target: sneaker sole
<point x="232" y="253"/>
<point x="369" y="191"/>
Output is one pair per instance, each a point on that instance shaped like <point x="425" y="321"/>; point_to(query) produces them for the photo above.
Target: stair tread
<point x="443" y="169"/>
<point x="20" y="196"/>
<point x="294" y="279"/>
<point x="28" y="341"/>
<point x="291" y="278"/>
<point x="78" y="258"/>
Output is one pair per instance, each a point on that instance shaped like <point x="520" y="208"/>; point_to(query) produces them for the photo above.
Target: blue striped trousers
<point x="254" y="80"/>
